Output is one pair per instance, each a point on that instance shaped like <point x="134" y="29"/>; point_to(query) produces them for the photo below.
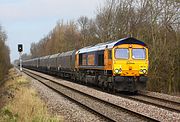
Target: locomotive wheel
<point x="113" y="90"/>
<point x="103" y="86"/>
<point x="109" y="86"/>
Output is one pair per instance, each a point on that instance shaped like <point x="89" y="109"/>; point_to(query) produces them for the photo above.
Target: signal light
<point x="20" y="47"/>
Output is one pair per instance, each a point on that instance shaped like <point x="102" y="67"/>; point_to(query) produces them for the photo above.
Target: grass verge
<point x="23" y="104"/>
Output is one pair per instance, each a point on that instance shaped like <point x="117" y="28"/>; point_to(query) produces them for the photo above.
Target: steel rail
<point x="55" y="86"/>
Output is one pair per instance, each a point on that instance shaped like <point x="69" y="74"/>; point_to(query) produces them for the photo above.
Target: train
<point x="120" y="65"/>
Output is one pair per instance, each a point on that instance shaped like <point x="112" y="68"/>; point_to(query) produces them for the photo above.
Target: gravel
<point x="161" y="95"/>
<point x="61" y="106"/>
<point x="110" y="111"/>
<point x="164" y="104"/>
<point x="147" y="110"/>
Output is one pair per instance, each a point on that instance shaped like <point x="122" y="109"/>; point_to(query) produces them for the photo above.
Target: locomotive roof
<point x="66" y="53"/>
<point x="30" y="60"/>
<point x="45" y="57"/>
<point x="54" y="55"/>
<point x="111" y="44"/>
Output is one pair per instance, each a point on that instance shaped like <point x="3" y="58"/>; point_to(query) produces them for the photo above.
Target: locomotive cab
<point x="130" y="66"/>
<point x="130" y="60"/>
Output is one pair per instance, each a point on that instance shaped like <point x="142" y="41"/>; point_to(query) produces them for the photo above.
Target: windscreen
<point x="122" y="53"/>
<point x="139" y="53"/>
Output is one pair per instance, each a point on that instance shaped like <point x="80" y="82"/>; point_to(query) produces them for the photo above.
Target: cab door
<point x="108" y="59"/>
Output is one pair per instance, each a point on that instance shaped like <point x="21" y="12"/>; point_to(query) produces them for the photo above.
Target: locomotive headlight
<point x="116" y="71"/>
<point x="144" y="71"/>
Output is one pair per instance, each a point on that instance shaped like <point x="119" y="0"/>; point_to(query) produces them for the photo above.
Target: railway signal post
<point x="20" y="49"/>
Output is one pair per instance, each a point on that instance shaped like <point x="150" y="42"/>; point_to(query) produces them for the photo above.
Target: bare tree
<point x="156" y="22"/>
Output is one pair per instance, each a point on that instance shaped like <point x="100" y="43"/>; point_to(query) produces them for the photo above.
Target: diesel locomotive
<point x="120" y="65"/>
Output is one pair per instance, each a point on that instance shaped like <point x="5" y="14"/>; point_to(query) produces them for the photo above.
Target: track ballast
<point x="105" y="108"/>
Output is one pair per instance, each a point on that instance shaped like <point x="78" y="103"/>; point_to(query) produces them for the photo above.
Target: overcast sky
<point x="27" y="21"/>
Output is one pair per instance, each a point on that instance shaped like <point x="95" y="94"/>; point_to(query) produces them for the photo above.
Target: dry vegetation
<point x="4" y="55"/>
<point x="22" y="103"/>
<point x="156" y="22"/>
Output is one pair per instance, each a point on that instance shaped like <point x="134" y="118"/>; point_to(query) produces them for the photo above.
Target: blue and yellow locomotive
<point x="120" y="65"/>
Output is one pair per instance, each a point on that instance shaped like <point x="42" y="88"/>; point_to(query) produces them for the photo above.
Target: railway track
<point x="106" y="109"/>
<point x="169" y="105"/>
<point x="173" y="105"/>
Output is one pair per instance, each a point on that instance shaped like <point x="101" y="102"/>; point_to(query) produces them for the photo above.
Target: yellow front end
<point x="130" y="60"/>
